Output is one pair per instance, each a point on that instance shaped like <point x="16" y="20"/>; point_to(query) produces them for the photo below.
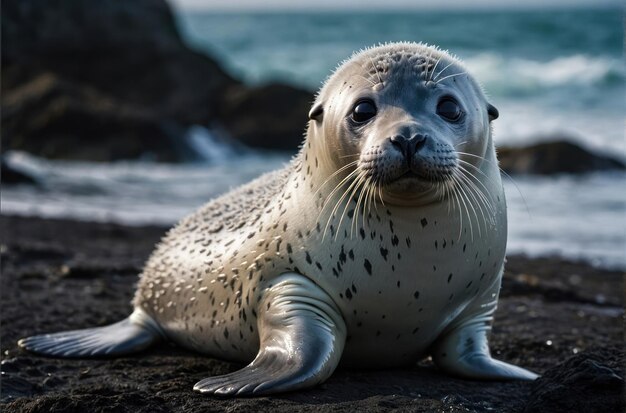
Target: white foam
<point x="522" y="76"/>
<point x="576" y="217"/>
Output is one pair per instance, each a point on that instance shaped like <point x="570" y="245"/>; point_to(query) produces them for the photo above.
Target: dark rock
<point x="10" y="175"/>
<point x="130" y="51"/>
<point x="161" y="378"/>
<point x="70" y="121"/>
<point x="584" y="383"/>
<point x="271" y="117"/>
<point x="559" y="156"/>
<point x="110" y="80"/>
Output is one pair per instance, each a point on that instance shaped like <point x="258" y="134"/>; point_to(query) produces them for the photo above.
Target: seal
<point x="380" y="243"/>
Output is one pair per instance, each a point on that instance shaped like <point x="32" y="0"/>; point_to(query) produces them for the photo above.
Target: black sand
<point x="561" y="319"/>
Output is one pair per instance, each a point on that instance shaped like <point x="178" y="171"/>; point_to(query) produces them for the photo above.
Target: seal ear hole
<point x="492" y="112"/>
<point x="317" y="112"/>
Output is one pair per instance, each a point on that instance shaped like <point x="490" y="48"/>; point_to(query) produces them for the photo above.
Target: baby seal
<point x="382" y="242"/>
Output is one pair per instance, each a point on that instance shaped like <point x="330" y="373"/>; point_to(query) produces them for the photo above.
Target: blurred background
<point x="138" y="112"/>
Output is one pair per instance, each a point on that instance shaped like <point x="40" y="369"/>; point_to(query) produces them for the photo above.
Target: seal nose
<point x="408" y="147"/>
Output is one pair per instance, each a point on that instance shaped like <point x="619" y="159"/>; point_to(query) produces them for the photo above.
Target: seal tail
<point x="130" y="335"/>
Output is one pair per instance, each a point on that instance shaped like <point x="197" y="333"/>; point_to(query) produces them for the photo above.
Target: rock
<point x="273" y="116"/>
<point x="559" y="156"/>
<point x="130" y="51"/>
<point x="70" y="121"/>
<point x="584" y="383"/>
<point x="111" y="80"/>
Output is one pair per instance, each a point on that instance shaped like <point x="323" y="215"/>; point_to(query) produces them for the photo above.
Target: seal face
<point x="387" y="231"/>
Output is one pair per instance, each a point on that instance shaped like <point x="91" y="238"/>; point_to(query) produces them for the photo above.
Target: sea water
<point x="550" y="73"/>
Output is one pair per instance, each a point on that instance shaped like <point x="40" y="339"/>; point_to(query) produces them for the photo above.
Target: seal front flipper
<point x="302" y="336"/>
<point x="130" y="335"/>
<point x="463" y="349"/>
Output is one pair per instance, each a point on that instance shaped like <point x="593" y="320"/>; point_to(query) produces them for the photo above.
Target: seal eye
<point x="449" y="109"/>
<point x="363" y="111"/>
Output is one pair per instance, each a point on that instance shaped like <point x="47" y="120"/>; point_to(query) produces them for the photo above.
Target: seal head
<point x="411" y="113"/>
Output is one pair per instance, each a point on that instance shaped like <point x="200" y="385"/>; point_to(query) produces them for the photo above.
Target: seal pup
<point x="382" y="242"/>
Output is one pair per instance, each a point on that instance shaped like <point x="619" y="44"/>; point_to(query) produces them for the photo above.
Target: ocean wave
<point x="518" y="76"/>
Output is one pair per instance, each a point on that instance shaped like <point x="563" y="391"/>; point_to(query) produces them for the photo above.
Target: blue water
<point x="550" y="73"/>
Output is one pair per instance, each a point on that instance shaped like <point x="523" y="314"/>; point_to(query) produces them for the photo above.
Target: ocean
<point x="551" y="73"/>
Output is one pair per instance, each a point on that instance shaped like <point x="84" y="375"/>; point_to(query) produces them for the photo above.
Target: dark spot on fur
<point x="342" y="256"/>
<point x="384" y="252"/>
<point x="424" y="222"/>
<point x="368" y="266"/>
<point x="449" y="278"/>
<point x="416" y="294"/>
<point x="348" y="294"/>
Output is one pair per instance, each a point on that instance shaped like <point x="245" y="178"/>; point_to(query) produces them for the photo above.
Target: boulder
<point x="584" y="383"/>
<point x="111" y="80"/>
<point x="554" y="157"/>
<point x="273" y="116"/>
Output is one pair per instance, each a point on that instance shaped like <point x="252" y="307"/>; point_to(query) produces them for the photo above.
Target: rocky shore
<point x="561" y="319"/>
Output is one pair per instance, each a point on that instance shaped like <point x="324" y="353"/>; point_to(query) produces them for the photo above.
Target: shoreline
<point x="560" y="318"/>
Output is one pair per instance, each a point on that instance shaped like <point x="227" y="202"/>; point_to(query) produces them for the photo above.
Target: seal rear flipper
<point x="464" y="352"/>
<point x="130" y="335"/>
<point x="463" y="349"/>
<point x="302" y="336"/>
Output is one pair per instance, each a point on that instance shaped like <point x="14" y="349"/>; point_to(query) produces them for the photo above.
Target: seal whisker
<point x="338" y="171"/>
<point x="473" y="180"/>
<point x="432" y="72"/>
<point x="471" y="192"/>
<point x="368" y="198"/>
<point x="376" y="69"/>
<point x="449" y="76"/>
<point x="478" y="191"/>
<point x="369" y="80"/>
<point x="462" y="208"/>
<point x="443" y="70"/>
<point x="355" y="216"/>
<point x="480" y="172"/>
<point x="468" y="204"/>
<point x="339" y="185"/>
<point x="456" y="204"/>
<point x="505" y="174"/>
<point x="330" y="197"/>
<point x="355" y="187"/>
<point x="340" y="200"/>
<point x="380" y="195"/>
<point x="350" y="190"/>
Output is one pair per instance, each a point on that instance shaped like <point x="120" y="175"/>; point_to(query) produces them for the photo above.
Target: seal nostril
<point x="400" y="143"/>
<point x="419" y="141"/>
